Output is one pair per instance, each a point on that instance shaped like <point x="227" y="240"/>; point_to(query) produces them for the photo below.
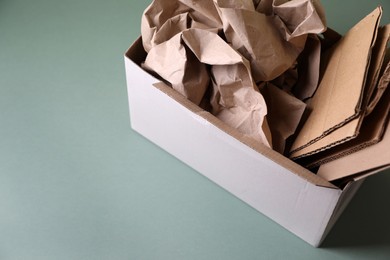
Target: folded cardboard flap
<point x="371" y="132"/>
<point x="362" y="162"/>
<point x="365" y="130"/>
<point x="336" y="108"/>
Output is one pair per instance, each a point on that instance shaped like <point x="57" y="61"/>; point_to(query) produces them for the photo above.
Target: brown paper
<point x="264" y="6"/>
<point x="235" y="99"/>
<point x="163" y="19"/>
<point x="240" y="105"/>
<point x="272" y="43"/>
<point x="300" y="17"/>
<point x="288" y="79"/>
<point x="336" y="106"/>
<point x="186" y="74"/>
<point x="184" y="48"/>
<point x="302" y="78"/>
<point x="284" y="114"/>
<point x="309" y="69"/>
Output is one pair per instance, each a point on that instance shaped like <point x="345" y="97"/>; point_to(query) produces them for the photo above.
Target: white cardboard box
<point x="289" y="194"/>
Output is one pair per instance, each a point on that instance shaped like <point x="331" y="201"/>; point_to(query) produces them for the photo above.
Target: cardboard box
<point x="289" y="194"/>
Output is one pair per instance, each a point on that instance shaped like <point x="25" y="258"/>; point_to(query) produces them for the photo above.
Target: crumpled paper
<point x="285" y="113"/>
<point x="219" y="51"/>
<point x="272" y="43"/>
<point x="235" y="98"/>
<point x="163" y="19"/>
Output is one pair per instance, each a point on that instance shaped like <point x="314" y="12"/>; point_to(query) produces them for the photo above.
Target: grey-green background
<point x="77" y="183"/>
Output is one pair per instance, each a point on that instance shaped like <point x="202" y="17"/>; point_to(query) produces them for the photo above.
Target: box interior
<point x="137" y="54"/>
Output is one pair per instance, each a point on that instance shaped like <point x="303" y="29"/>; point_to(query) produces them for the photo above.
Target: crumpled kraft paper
<point x="237" y="101"/>
<point x="217" y="51"/>
<point x="272" y="43"/>
<point x="284" y="114"/>
<point x="177" y="64"/>
<point x="163" y="19"/>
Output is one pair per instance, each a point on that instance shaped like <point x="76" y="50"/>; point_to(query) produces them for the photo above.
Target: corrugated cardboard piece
<point x="371" y="132"/>
<point x="376" y="107"/>
<point x="336" y="108"/>
<point x="369" y="159"/>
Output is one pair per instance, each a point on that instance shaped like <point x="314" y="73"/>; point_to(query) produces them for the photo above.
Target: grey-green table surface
<point x="77" y="183"/>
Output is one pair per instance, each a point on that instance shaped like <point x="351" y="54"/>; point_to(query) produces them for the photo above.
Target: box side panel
<point x="293" y="202"/>
<point x="346" y="196"/>
<point x="134" y="77"/>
